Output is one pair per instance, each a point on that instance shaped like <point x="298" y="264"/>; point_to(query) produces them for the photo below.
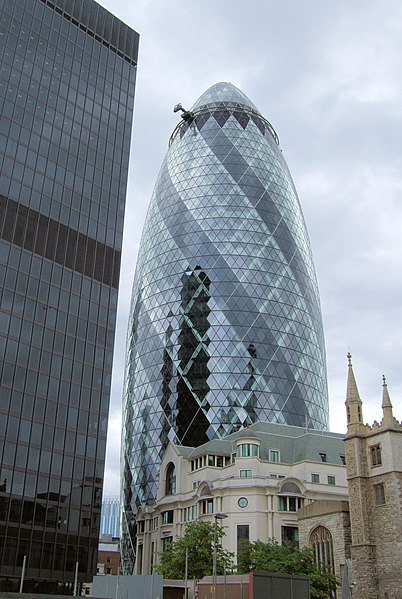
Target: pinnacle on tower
<point x="353" y="402"/>
<point x="388" y="417"/>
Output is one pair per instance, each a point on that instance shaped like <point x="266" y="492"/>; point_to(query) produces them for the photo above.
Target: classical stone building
<point x="258" y="477"/>
<point x="374" y="472"/>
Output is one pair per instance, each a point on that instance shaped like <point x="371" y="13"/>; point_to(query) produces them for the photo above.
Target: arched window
<point x="206" y="490"/>
<point x="322" y="545"/>
<point x="171" y="479"/>
<point x="290" y="497"/>
<point x="290" y="488"/>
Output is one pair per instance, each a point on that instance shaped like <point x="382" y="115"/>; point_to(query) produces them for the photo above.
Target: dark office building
<point x="67" y="82"/>
<point x="226" y="327"/>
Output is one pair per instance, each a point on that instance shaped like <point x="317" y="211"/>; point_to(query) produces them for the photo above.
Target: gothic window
<point x="379" y="494"/>
<point x="171" y="479"/>
<point x="322" y="545"/>
<point x="375" y="451"/>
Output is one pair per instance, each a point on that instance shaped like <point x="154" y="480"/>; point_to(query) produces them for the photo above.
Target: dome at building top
<point x="223" y="93"/>
<point x="246" y="433"/>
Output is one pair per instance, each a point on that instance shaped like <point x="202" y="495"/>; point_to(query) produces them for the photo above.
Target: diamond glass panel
<point x="225" y="328"/>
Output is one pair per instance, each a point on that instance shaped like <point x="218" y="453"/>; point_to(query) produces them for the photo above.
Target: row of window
<point x="216" y="461"/>
<point x="323" y="457"/>
<point x="331" y="480"/>
<point x="46" y="237"/>
<point x="286" y="504"/>
<point x="315" y="478"/>
<point x="245" y="473"/>
<point x="245" y="450"/>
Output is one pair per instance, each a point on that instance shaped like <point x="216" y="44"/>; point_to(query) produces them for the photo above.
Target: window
<point x="331" y="480"/>
<point x="379" y="494"/>
<point x="322" y="546"/>
<point x="139" y="558"/>
<point x="315" y="478"/>
<point x="170" y="479"/>
<point x="152" y="556"/>
<point x="166" y="543"/>
<point x="375" y="451"/>
<point x="140" y="526"/>
<point x="290" y="504"/>
<point x="191" y="513"/>
<point x="167" y="517"/>
<point x="207" y="506"/>
<point x="247" y="450"/>
<point x="323" y="456"/>
<point x="243" y="536"/>
<point x="290" y="487"/>
<point x="290" y="534"/>
<point x="242" y="502"/>
<point x="246" y="473"/>
<point x="273" y="455"/>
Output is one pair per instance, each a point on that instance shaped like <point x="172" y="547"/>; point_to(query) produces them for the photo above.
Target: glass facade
<point x="110" y="517"/>
<point x="67" y="79"/>
<point x="225" y="327"/>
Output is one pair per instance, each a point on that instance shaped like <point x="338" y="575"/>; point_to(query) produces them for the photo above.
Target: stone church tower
<point x="374" y="472"/>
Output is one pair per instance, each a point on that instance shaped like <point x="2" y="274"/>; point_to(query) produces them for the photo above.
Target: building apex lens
<point x="223" y="93"/>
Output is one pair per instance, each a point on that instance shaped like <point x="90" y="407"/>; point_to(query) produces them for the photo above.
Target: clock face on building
<point x="243" y="502"/>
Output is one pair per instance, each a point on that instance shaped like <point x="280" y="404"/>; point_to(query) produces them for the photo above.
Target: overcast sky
<point x="328" y="76"/>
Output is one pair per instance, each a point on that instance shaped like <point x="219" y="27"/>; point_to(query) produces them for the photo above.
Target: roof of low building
<point x="295" y="444"/>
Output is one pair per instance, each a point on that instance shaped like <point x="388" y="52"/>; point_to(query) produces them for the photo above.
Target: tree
<point x="286" y="559"/>
<point x="199" y="541"/>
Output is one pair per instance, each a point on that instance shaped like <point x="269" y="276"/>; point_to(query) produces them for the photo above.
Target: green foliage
<point x="285" y="559"/>
<point x="199" y="541"/>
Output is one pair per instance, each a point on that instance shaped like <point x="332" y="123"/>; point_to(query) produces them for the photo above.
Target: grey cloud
<point x="327" y="76"/>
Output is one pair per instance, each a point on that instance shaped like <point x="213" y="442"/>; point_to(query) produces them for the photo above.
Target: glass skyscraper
<point x="110" y="517"/>
<point x="225" y="326"/>
<point x="67" y="84"/>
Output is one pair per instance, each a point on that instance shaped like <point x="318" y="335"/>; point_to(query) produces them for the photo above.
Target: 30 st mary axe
<point x="225" y="328"/>
<point x="67" y="83"/>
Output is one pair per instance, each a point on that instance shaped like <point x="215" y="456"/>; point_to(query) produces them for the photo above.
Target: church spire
<point x="388" y="417"/>
<point x="353" y="402"/>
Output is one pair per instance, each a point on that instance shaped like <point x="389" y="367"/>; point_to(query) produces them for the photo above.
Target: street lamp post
<point x="217" y="516"/>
